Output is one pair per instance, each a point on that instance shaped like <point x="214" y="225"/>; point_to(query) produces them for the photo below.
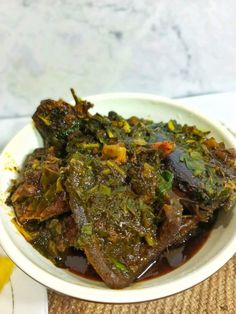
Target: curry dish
<point x="121" y="192"/>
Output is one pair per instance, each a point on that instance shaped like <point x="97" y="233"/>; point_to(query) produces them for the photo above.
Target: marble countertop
<point x="169" y="47"/>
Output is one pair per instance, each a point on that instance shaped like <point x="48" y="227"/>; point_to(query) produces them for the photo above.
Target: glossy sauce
<point x="77" y="263"/>
<point x="176" y="257"/>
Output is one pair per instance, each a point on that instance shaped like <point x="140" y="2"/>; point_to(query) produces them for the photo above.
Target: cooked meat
<point x="56" y="120"/>
<point x="118" y="230"/>
<point x="199" y="173"/>
<point x="121" y="190"/>
<point x="39" y="193"/>
<point x="55" y="237"/>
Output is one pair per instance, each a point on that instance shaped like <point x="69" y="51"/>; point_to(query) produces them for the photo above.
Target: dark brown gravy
<point x="77" y="263"/>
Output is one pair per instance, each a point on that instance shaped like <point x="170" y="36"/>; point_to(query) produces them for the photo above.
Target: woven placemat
<point x="215" y="295"/>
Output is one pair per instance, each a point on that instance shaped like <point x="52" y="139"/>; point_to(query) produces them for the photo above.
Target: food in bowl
<point x="123" y="191"/>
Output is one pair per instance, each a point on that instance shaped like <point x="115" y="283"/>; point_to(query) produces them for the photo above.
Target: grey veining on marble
<point x="169" y="47"/>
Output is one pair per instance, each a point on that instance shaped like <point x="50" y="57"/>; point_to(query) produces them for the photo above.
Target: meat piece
<point x="55" y="237"/>
<point x="203" y="193"/>
<point x="144" y="181"/>
<point x="56" y="120"/>
<point x="39" y="193"/>
<point x="122" y="191"/>
<point x="117" y="229"/>
<point x="183" y="177"/>
<point x="197" y="171"/>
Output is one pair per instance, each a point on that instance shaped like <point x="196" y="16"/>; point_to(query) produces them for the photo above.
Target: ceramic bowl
<point x="217" y="250"/>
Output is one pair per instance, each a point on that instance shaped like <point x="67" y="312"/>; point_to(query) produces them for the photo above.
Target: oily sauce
<point x="77" y="263"/>
<point x="175" y="257"/>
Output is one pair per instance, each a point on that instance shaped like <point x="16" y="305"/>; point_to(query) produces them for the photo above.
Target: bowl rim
<point x="126" y="295"/>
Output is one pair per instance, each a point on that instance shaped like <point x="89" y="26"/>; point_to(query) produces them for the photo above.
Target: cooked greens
<point x="120" y="190"/>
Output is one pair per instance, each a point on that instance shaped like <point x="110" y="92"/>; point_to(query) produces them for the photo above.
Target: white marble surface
<point x="169" y="47"/>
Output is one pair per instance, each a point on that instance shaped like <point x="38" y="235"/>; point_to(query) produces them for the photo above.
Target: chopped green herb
<point x="45" y="120"/>
<point x="165" y="181"/>
<point x="87" y="229"/>
<point x="120" y="266"/>
<point x="116" y="167"/>
<point x="150" y="240"/>
<point x="110" y="134"/>
<point x="76" y="98"/>
<point x="90" y="145"/>
<point x="105" y="190"/>
<point x="193" y="162"/>
<point x="126" y="127"/>
<point x="171" y="125"/>
<point x="59" y="187"/>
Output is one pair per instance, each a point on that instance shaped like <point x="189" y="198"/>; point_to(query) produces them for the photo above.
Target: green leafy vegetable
<point x="46" y="120"/>
<point x="90" y="145"/>
<point x="193" y="162"/>
<point x="165" y="181"/>
<point x="76" y="98"/>
<point x="120" y="266"/>
<point x="171" y="125"/>
<point x="120" y="190"/>
<point x="126" y="127"/>
<point x="87" y="229"/>
<point x="105" y="190"/>
<point x="150" y="240"/>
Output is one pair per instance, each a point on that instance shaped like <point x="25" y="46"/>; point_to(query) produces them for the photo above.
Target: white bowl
<point x="217" y="250"/>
